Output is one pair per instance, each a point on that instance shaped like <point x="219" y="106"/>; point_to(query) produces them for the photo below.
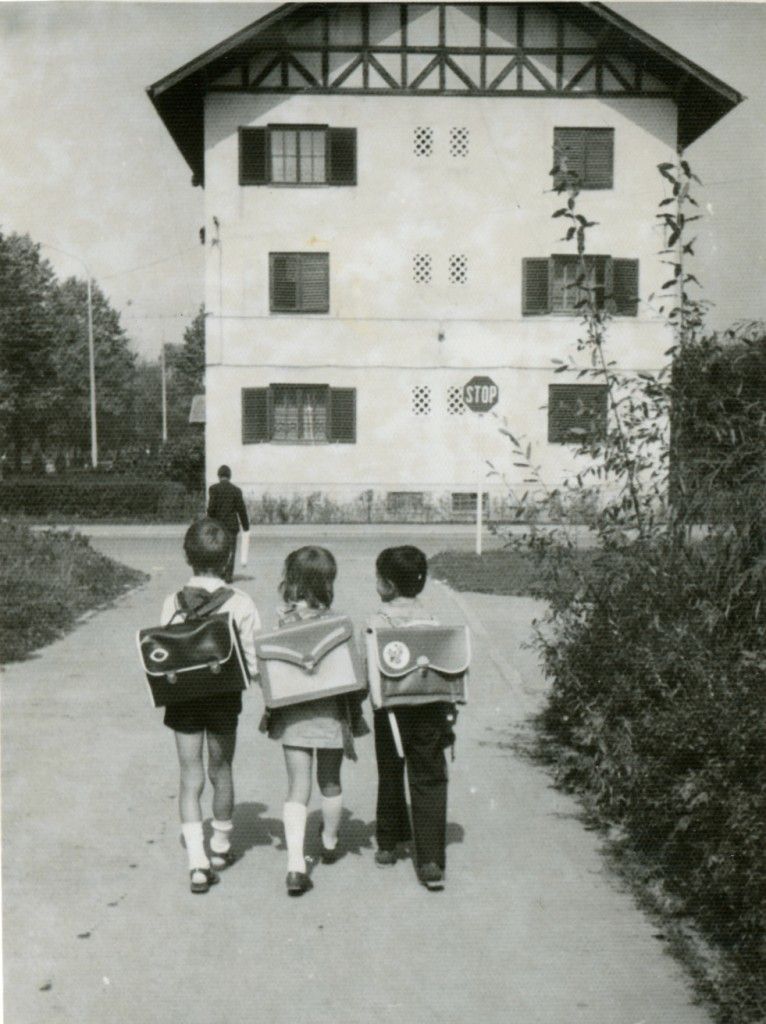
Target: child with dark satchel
<point x="214" y="717"/>
<point x="415" y="732"/>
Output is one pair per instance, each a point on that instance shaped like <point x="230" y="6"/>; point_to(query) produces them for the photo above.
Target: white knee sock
<point x="195" y="844"/>
<point x="294" y="815"/>
<point x="332" y="809"/>
<point x="221" y="840"/>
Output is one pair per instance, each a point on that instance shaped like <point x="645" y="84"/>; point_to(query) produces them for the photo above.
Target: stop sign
<point x="480" y="394"/>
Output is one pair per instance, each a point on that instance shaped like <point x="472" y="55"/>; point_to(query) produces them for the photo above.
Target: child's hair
<point x="308" y="576"/>
<point x="405" y="568"/>
<point x="206" y="546"/>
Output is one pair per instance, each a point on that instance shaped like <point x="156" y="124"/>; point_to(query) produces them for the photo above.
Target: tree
<point x="115" y="369"/>
<point x="28" y="383"/>
<point x="185" y="365"/>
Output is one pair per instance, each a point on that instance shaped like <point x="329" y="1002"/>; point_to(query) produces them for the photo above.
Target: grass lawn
<point x="501" y="571"/>
<point x="48" y="580"/>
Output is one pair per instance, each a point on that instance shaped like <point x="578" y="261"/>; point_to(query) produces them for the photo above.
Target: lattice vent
<point x="455" y="403"/>
<point x="458" y="268"/>
<point x="423" y="141"/>
<point x="458" y="141"/>
<point x="421" y="268"/>
<point x="421" y="400"/>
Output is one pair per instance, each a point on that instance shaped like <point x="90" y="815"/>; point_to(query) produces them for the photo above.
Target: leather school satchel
<point x="311" y="659"/>
<point x="198" y="657"/>
<point x="417" y="664"/>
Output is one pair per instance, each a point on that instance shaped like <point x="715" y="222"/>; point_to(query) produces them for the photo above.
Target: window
<point x="588" y="152"/>
<point x="299" y="414"/>
<point x="549" y="285"/>
<point x="576" y="412"/>
<point x="404" y="503"/>
<point x="299" y="282"/>
<point x="297" y="155"/>
<point x="465" y="502"/>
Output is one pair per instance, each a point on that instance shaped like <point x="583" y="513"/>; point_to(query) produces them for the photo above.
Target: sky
<point x="87" y="167"/>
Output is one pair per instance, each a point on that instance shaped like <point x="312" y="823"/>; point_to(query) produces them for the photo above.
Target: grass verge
<point x="48" y="580"/>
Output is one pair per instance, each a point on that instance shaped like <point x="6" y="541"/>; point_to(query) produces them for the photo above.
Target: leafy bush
<point x="93" y="497"/>
<point x="183" y="461"/>
<point x="48" y="580"/>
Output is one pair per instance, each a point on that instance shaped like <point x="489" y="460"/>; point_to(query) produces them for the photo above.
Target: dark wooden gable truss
<point x="277" y="63"/>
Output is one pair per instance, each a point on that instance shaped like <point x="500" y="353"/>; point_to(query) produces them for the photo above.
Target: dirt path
<point x="98" y="921"/>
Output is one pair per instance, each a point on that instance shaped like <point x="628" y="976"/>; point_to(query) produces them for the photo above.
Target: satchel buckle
<point x="423" y="665"/>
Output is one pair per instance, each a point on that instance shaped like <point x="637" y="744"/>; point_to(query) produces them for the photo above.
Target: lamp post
<point x="91" y="352"/>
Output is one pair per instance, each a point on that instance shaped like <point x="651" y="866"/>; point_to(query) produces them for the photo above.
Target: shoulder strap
<point x="202" y="609"/>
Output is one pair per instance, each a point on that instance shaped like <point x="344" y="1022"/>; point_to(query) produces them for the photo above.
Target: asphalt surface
<point x="99" y="924"/>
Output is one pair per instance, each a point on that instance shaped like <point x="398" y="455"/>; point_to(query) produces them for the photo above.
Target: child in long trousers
<point x="322" y="726"/>
<point x="425" y="731"/>
<point x="207" y="546"/>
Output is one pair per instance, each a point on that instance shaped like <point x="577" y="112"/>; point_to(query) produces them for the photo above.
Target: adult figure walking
<point x="226" y="505"/>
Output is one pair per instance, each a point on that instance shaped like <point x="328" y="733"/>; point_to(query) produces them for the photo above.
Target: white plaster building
<point x="378" y="232"/>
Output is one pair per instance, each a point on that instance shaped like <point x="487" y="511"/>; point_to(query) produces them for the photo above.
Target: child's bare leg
<point x="220" y="754"/>
<point x="192" y="782"/>
<point x="328" y="776"/>
<point x="298" y="763"/>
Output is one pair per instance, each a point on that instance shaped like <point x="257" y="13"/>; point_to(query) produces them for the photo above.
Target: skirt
<point x="315" y="724"/>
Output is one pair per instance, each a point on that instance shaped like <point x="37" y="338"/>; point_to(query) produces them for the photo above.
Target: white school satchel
<point x="417" y="664"/>
<point x="311" y="659"/>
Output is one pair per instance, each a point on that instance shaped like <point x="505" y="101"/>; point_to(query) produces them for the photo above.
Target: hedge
<point x="89" y="498"/>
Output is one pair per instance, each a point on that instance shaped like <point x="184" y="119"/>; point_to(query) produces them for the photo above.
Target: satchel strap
<point x="198" y="604"/>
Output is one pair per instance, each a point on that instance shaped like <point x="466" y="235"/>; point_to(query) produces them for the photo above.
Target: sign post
<point x="480" y="395"/>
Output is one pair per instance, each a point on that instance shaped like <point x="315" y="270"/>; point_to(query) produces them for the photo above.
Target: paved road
<point x="98" y="921"/>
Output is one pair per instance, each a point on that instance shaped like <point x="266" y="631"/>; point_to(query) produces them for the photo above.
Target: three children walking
<point x="314" y="731"/>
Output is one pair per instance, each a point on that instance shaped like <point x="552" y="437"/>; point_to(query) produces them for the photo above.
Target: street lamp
<point x="91" y="352"/>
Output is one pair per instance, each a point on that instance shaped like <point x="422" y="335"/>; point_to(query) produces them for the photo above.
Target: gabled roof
<point x="701" y="98"/>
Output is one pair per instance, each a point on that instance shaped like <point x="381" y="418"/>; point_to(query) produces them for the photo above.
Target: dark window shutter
<point x="568" y="145"/>
<point x="255" y="415"/>
<point x="314" y="282"/>
<point x="343" y="415"/>
<point x="576" y="412"/>
<point x="283" y="281"/>
<point x="599" y="158"/>
<point x="625" y="287"/>
<point x="341" y="156"/>
<point x="534" y="286"/>
<point x="254" y="156"/>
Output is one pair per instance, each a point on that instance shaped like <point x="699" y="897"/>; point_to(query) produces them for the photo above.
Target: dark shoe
<point x="202" y="884"/>
<point x="221" y="861"/>
<point x="298" y="882"/>
<point x="385" y="858"/>
<point x="328" y="856"/>
<point x="431" y="876"/>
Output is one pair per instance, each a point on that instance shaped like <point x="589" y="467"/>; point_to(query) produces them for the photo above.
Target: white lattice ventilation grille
<point x="455" y="403"/>
<point x="421" y="400"/>
<point x="423" y="141"/>
<point x="458" y="141"/>
<point x="421" y="268"/>
<point x="458" y="268"/>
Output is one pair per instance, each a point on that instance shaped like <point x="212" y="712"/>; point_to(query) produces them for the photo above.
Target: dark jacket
<point x="227" y="507"/>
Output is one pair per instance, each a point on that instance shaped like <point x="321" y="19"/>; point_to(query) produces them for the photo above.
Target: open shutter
<point x="343" y="415"/>
<point x="283" y="281"/>
<point x="255" y="415"/>
<point x="534" y="275"/>
<point x="569" y="146"/>
<point x="314" y="282"/>
<point x="341" y="156"/>
<point x="599" y="158"/>
<point x="625" y="287"/>
<point x="254" y="156"/>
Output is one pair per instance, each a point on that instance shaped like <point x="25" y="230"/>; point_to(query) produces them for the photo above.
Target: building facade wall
<point x="385" y="333"/>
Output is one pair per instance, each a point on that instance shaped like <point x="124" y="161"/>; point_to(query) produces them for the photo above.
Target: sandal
<point x="221" y="861"/>
<point x="201" y="879"/>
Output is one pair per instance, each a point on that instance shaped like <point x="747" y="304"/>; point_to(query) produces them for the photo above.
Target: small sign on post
<point x="480" y="394"/>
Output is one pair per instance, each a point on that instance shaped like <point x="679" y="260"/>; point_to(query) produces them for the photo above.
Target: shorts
<point x="206" y="714"/>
